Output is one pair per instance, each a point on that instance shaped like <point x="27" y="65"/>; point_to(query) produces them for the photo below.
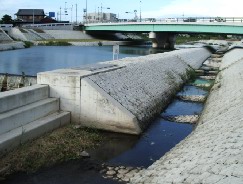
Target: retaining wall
<point x="213" y="152"/>
<point x="11" y="46"/>
<point x="124" y="95"/>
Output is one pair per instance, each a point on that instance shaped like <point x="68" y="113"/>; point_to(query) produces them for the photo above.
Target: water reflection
<point x="134" y="151"/>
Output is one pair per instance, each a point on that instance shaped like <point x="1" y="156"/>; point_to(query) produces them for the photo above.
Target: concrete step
<point x="19" y="135"/>
<point x="16" y="98"/>
<point x="28" y="113"/>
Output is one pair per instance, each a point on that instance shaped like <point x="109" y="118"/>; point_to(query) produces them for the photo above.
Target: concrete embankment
<point x="122" y="96"/>
<point x="11" y="46"/>
<point x="213" y="152"/>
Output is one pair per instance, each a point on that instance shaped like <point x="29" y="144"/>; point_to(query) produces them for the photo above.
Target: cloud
<point x="177" y="8"/>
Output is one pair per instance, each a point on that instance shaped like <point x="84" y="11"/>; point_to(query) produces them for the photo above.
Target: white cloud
<point x="177" y="8"/>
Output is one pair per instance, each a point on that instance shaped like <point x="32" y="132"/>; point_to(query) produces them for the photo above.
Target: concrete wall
<point x="51" y="26"/>
<point x="11" y="46"/>
<point x="67" y="34"/>
<point x="213" y="152"/>
<point x="124" y="95"/>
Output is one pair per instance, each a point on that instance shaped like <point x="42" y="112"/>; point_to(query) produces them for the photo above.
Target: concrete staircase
<point x="27" y="113"/>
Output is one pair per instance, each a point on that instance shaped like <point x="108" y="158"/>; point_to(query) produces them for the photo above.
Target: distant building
<point x="101" y="17"/>
<point x="26" y="15"/>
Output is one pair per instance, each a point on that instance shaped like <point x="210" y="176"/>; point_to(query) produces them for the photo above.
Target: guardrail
<point x="181" y="19"/>
<point x="6" y="25"/>
<point x="46" y="25"/>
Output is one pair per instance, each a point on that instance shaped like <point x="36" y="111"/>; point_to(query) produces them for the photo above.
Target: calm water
<point x="42" y="58"/>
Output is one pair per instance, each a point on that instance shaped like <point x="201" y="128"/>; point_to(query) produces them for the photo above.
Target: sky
<point x="149" y="8"/>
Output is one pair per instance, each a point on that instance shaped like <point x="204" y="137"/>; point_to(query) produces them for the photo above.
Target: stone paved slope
<point x="144" y="87"/>
<point x="213" y="153"/>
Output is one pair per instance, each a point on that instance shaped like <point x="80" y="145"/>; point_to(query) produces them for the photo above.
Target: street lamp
<point x="102" y="12"/>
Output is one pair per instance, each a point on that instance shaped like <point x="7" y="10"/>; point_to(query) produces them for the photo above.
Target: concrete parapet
<point x="121" y="96"/>
<point x="213" y="152"/>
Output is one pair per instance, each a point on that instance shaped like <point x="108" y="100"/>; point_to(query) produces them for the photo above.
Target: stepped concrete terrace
<point x="67" y="34"/>
<point x="124" y="95"/>
<point x="213" y="152"/>
<point x="27" y="113"/>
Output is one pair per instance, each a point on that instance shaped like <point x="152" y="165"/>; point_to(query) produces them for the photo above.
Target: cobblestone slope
<point x="213" y="152"/>
<point x="146" y="84"/>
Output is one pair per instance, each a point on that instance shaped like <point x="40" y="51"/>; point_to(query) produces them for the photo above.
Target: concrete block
<point x="23" y="115"/>
<point x="44" y="125"/>
<point x="10" y="140"/>
<point x="34" y="129"/>
<point x="16" y="98"/>
<point x="99" y="110"/>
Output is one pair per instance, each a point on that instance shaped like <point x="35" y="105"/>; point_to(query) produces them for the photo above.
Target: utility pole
<point x="86" y="12"/>
<point x="76" y="13"/>
<point x="60" y="14"/>
<point x="65" y="10"/>
<point x="33" y="16"/>
<point x="72" y="14"/>
<point x="140" y="12"/>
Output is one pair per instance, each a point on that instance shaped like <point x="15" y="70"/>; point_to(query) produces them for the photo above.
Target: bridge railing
<point x="183" y="19"/>
<point x="201" y="19"/>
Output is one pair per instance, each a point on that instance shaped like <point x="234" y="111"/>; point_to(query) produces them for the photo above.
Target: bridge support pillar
<point x="162" y="40"/>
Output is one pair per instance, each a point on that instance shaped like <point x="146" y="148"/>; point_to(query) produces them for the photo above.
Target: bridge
<point x="163" y="32"/>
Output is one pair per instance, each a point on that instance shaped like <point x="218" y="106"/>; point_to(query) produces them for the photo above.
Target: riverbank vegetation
<point x="61" y="145"/>
<point x="28" y="44"/>
<point x="185" y="38"/>
<point x="55" y="43"/>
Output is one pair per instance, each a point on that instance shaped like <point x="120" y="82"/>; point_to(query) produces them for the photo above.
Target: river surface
<point x="43" y="58"/>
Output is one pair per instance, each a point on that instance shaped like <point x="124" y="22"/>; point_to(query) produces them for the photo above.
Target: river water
<point x="125" y="150"/>
<point x="43" y="58"/>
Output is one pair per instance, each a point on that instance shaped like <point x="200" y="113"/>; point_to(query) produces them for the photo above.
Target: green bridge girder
<point x="220" y="28"/>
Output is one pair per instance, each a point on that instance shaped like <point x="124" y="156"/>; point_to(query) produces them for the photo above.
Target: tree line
<point x="6" y="19"/>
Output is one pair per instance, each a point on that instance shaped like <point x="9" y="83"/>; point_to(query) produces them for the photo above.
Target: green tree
<point x="7" y="19"/>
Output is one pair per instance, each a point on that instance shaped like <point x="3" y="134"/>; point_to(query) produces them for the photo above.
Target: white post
<point x="115" y="51"/>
